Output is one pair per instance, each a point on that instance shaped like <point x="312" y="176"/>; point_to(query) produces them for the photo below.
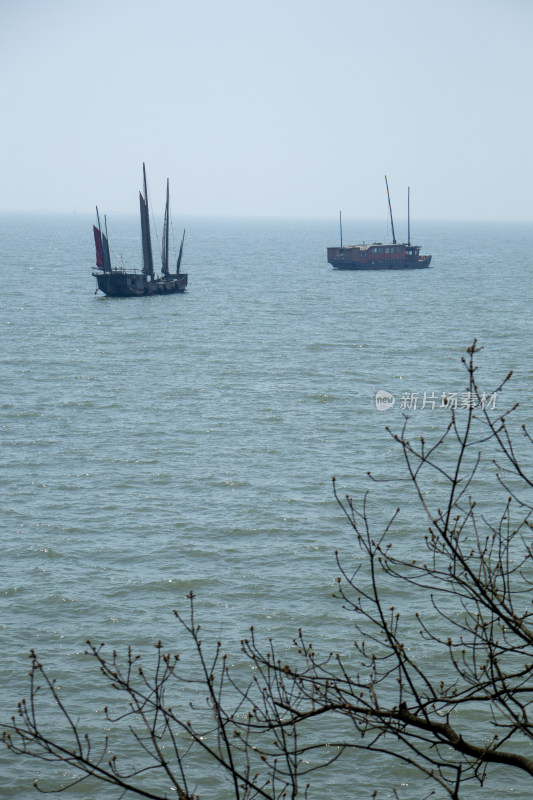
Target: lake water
<point x="151" y="446"/>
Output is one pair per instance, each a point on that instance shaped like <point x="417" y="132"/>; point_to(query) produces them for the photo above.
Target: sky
<point x="278" y="108"/>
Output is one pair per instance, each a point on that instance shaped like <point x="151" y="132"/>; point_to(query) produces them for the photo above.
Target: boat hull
<point x="422" y="263"/>
<point x="118" y="283"/>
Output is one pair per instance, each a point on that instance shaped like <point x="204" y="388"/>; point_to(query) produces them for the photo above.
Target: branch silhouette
<point x="442" y="684"/>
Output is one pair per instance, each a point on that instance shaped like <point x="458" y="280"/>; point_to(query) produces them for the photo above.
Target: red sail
<point x="99" y="250"/>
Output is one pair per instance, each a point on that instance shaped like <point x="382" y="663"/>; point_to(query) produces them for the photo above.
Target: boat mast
<point x="340" y="225"/>
<point x="164" y="251"/>
<point x="148" y="261"/>
<point x="390" y="210"/>
<point x="408" y="217"/>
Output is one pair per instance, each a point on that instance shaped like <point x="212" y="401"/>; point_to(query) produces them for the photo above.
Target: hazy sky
<point x="275" y="108"/>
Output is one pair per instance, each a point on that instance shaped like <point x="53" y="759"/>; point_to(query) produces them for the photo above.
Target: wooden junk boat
<point x="378" y="255"/>
<point x="132" y="283"/>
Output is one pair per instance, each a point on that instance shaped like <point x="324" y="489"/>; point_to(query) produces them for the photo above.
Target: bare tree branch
<point x="436" y="673"/>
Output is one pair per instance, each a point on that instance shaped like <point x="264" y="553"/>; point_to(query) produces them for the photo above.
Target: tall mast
<point x="148" y="260"/>
<point x="408" y="216"/>
<point x="340" y="225"/>
<point x="390" y="210"/>
<point x="164" y="251"/>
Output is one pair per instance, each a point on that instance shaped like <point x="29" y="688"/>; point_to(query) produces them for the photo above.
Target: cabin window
<point x="374" y="249"/>
<point x="387" y="249"/>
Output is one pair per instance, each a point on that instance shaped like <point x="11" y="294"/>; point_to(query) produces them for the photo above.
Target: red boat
<point x="378" y="255"/>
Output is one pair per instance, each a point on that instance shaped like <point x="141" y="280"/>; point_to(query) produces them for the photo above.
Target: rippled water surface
<point x="151" y="446"/>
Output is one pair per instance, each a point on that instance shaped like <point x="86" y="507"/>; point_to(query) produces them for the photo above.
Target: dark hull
<point x="127" y="284"/>
<point x="403" y="264"/>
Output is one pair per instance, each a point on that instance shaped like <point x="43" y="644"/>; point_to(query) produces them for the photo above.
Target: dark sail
<point x="164" y="250"/>
<point x="148" y="262"/>
<point x="180" y="254"/>
<point x="107" y="257"/>
<point x="99" y="249"/>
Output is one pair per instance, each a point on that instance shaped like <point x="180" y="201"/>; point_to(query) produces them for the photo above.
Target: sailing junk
<point x="124" y="283"/>
<point x="378" y="255"/>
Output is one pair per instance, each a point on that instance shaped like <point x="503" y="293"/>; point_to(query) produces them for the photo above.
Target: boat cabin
<point x="375" y="254"/>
